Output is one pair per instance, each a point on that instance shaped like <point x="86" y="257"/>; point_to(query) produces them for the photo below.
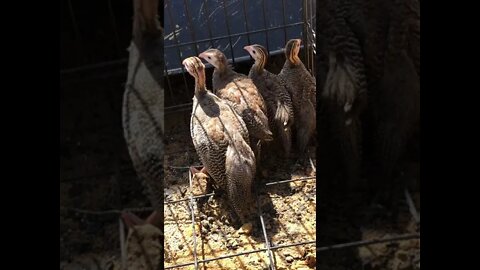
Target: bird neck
<point x="259" y="65"/>
<point x="200" y="88"/>
<point x="294" y="59"/>
<point x="223" y="66"/>
<point x="223" y="71"/>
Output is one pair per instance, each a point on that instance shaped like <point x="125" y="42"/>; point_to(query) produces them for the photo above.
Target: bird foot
<point x="199" y="173"/>
<point x="195" y="170"/>
<point x="131" y="219"/>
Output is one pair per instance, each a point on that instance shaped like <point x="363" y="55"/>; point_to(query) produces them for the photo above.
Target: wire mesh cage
<point x="192" y="27"/>
<point x="228" y="25"/>
<point x="94" y="39"/>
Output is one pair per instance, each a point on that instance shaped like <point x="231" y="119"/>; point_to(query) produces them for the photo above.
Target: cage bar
<point x="228" y="30"/>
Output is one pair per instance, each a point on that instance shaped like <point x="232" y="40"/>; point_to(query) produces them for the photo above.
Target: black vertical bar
<point x="208" y="24"/>
<point x="192" y="29"/>
<point x="169" y="4"/>
<point x="265" y="24"/>
<point x="284" y="22"/>
<point x="114" y="26"/>
<point x="161" y="14"/>
<point x="246" y="22"/>
<point x="228" y="31"/>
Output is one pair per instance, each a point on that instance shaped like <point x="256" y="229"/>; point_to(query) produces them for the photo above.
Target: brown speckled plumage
<point x="142" y="113"/>
<point x="302" y="89"/>
<point x="396" y="96"/>
<point x="242" y="93"/>
<point x="344" y="92"/>
<point x="221" y="140"/>
<point x="279" y="104"/>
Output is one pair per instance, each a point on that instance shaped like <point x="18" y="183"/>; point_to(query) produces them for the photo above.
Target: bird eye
<point x="254" y="52"/>
<point x="209" y="57"/>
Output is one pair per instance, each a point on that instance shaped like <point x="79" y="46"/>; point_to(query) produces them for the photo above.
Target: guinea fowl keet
<point x="221" y="141"/>
<point x="396" y="98"/>
<point x="301" y="87"/>
<point x="277" y="99"/>
<point x="243" y="95"/>
<point x="344" y="93"/>
<point x="142" y="112"/>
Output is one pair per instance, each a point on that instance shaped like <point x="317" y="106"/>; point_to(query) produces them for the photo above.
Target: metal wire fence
<point x="192" y="200"/>
<point x="194" y="26"/>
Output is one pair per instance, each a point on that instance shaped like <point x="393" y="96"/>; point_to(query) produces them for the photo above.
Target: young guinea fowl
<point x="294" y="67"/>
<point x="279" y="104"/>
<point x="142" y="112"/>
<point x="301" y="87"/>
<point x="243" y="95"/>
<point x="396" y="100"/>
<point x="220" y="137"/>
<point x="344" y="93"/>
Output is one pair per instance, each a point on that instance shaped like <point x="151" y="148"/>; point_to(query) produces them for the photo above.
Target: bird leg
<point x="195" y="170"/>
<point x="203" y="173"/>
<point x="131" y="219"/>
<point x="303" y="159"/>
<point x="155" y="219"/>
<point x="259" y="150"/>
<point x="256" y="146"/>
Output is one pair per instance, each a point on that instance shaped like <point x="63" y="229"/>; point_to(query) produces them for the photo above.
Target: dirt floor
<point x="95" y="171"/>
<point x="289" y="213"/>
<point x="343" y="222"/>
<point x="288" y="210"/>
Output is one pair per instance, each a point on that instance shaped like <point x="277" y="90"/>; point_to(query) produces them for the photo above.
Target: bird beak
<point x="247" y="48"/>
<point x="187" y="64"/>
<point x="203" y="55"/>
